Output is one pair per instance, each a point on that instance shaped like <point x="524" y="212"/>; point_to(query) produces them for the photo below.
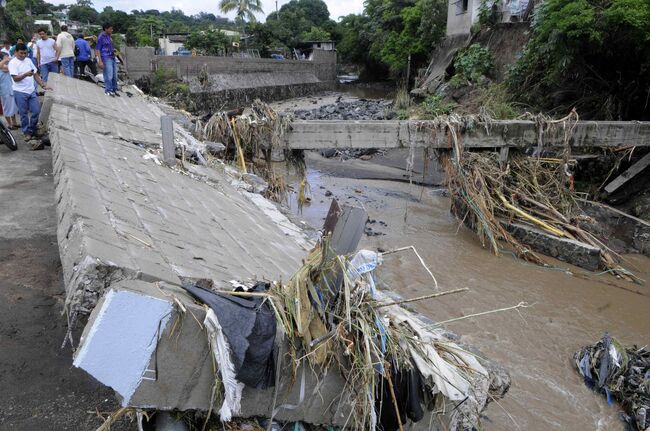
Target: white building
<point x="462" y="14"/>
<point x="44" y="23"/>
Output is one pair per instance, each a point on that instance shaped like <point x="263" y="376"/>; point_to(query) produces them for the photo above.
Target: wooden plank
<point x="629" y="174"/>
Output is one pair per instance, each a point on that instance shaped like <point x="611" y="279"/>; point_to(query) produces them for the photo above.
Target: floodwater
<point x="535" y="344"/>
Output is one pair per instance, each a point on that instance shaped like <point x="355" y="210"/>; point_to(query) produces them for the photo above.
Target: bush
<point x="590" y="54"/>
<point x="472" y="63"/>
<point x="435" y="105"/>
<point x="402" y="99"/>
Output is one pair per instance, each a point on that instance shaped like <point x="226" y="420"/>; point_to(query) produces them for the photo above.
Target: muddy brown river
<point x="570" y="308"/>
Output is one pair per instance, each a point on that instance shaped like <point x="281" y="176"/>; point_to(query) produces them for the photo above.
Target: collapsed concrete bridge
<point x="132" y="231"/>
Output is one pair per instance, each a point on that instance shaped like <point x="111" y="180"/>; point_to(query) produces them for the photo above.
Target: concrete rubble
<point x="132" y="230"/>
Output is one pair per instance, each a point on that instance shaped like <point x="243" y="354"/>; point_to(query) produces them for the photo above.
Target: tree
<point x="382" y="38"/>
<point x="315" y="34"/>
<point x="590" y="54"/>
<point x="85" y="14"/>
<point x="297" y="18"/>
<point x="209" y="42"/>
<point x="245" y="10"/>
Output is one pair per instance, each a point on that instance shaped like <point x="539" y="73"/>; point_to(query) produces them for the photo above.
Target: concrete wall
<point x="324" y="64"/>
<point x="188" y="67"/>
<point x="460" y="21"/>
<point x="139" y="61"/>
<point x="228" y="82"/>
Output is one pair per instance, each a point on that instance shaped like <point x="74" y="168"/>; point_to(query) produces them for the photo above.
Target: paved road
<point x="39" y="388"/>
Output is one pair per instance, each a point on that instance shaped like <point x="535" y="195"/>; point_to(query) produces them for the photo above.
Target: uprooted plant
<point x="250" y="141"/>
<point x="538" y="191"/>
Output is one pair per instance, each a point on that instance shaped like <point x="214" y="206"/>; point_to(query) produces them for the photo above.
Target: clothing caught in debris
<point x="249" y="326"/>
<point x="621" y="374"/>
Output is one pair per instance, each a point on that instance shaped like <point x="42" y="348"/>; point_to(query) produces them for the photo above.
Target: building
<point x="170" y="43"/>
<point x="44" y="23"/>
<point x="463" y="14"/>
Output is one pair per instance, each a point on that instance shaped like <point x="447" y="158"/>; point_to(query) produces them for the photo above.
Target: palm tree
<point x="245" y="9"/>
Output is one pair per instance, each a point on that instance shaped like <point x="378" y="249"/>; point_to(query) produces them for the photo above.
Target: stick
<point x="514" y="307"/>
<point x="420" y="298"/>
<point x="410" y="247"/>
<point x="531" y="218"/>
<point x="244" y="294"/>
<point x="112" y="418"/>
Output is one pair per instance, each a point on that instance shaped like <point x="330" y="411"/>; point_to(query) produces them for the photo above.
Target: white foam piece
<point x="118" y="348"/>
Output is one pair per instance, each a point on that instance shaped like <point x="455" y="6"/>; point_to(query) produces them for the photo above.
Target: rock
<point x="214" y="148"/>
<point x="257" y="184"/>
<point x="360" y="109"/>
<point x="328" y="153"/>
<point x="328" y="193"/>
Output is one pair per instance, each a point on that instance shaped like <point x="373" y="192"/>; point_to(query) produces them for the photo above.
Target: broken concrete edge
<point x="146" y="341"/>
<point x="632" y="231"/>
<point x="567" y="250"/>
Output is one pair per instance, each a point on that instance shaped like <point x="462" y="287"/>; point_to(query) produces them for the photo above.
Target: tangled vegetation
<point x="593" y="55"/>
<point x="388" y="31"/>
<point x="471" y="64"/>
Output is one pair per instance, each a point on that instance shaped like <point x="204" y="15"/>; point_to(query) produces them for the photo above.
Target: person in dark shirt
<point x="83" y="55"/>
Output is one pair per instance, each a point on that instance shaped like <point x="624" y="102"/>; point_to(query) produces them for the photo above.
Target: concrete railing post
<point x="168" y="145"/>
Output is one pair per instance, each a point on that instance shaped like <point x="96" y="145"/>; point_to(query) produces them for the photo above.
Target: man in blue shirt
<point x="106" y="59"/>
<point x="83" y="56"/>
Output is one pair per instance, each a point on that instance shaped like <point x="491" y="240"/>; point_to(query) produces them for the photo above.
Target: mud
<point x="40" y="390"/>
<point x="570" y="307"/>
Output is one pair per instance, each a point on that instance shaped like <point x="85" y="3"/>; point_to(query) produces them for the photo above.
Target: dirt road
<point x="40" y="390"/>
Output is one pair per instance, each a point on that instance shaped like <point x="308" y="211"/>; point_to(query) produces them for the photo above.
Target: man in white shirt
<point x="65" y="44"/>
<point x="47" y="54"/>
<point x="23" y="72"/>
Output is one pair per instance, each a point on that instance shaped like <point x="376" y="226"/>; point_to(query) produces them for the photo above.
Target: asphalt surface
<point x="39" y="387"/>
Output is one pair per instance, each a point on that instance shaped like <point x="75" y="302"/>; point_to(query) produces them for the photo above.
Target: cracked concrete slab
<point x="121" y="216"/>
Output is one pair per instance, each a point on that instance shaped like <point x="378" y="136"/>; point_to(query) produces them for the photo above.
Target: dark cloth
<point x="408" y="388"/>
<point x="80" y="67"/>
<point x="249" y="326"/>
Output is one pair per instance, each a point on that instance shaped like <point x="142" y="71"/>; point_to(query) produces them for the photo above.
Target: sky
<point x="337" y="8"/>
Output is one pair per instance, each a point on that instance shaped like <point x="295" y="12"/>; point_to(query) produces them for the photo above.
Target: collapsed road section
<point x="151" y="253"/>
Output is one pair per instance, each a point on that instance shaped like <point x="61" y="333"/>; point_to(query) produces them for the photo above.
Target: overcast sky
<point x="337" y="8"/>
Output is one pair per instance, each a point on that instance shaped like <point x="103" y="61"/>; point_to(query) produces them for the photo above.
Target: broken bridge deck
<point x="321" y="134"/>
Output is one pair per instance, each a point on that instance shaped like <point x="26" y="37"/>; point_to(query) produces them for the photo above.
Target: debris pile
<point x="395" y="366"/>
<point x="620" y="374"/>
<point x="495" y="197"/>
<point x="361" y="109"/>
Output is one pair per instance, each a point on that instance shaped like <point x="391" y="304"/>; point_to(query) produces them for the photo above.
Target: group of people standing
<point x="23" y="66"/>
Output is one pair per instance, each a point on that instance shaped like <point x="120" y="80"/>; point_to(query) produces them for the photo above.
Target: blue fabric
<point x="84" y="49"/>
<point x="110" y="75"/>
<point x="105" y="46"/>
<point x="6" y="81"/>
<point x="29" y="109"/>
<point x="68" y="66"/>
<point x="45" y="69"/>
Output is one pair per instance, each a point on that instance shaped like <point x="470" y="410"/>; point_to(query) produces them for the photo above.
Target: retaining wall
<point x="228" y="82"/>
